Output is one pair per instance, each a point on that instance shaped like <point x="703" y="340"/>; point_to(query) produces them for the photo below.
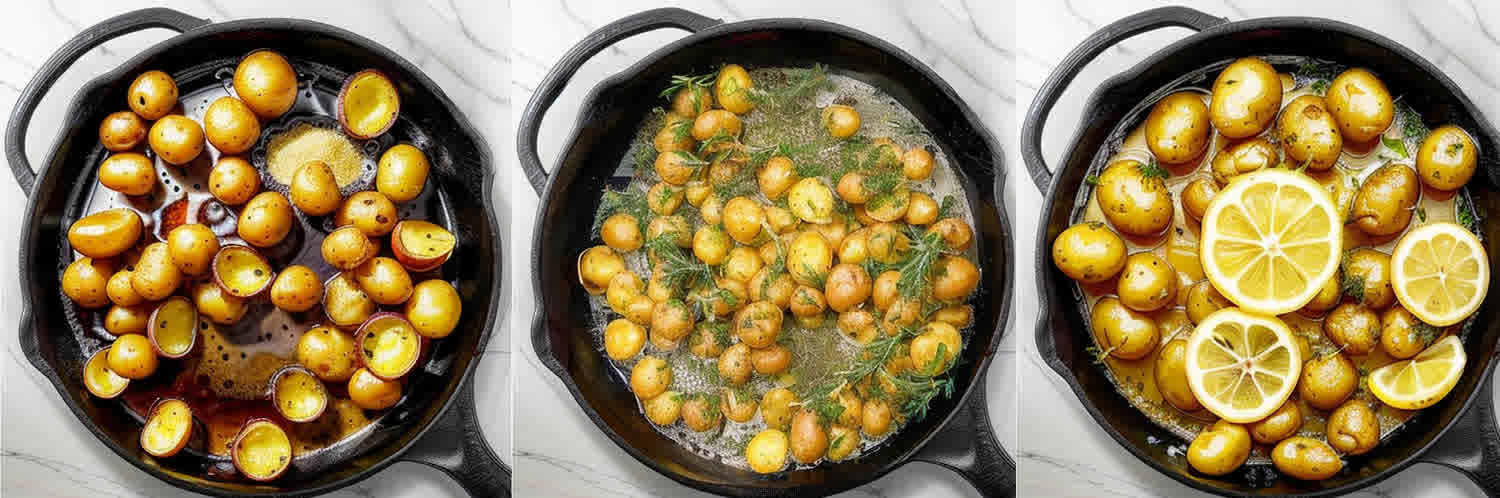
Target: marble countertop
<point x="1063" y="452"/>
<point x="559" y="451"/>
<point x="43" y="450"/>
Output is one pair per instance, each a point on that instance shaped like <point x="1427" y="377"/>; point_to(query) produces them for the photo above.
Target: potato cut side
<point x="100" y="380"/>
<point x="368" y="104"/>
<point x="389" y="346"/>
<point x="168" y="429"/>
<point x="298" y="394"/>
<point x="262" y="451"/>
<point x="241" y="271"/>
<point x="421" y="245"/>
<point x="173" y="327"/>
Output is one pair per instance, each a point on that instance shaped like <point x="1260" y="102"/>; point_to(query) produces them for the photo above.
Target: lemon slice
<point x="1242" y="366"/>
<point x="1440" y="273"/>
<point x="1271" y="239"/>
<point x="1423" y="380"/>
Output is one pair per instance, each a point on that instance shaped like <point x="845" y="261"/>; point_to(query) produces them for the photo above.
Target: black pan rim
<point x="1042" y="256"/>
<point x="28" y="238"/>
<point x="542" y="344"/>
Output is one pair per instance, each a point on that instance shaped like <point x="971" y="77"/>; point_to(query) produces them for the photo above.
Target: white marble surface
<point x="461" y="44"/>
<point x="1063" y="452"/>
<point x="559" y="451"/>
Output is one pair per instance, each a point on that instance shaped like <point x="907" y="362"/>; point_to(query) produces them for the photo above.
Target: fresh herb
<point x="919" y="392"/>
<point x="1454" y="148"/>
<point x="682" y="129"/>
<point x="1466" y="213"/>
<point x="1421" y="214"/>
<point x="630" y="201"/>
<point x="908" y="128"/>
<point x="1099" y="354"/>
<point x="795" y="95"/>
<point x="1318" y="73"/>
<point x="1395" y="144"/>
<point x="1425" y="332"/>
<point x="1352" y="285"/>
<point x="1151" y="170"/>
<point x="720" y="333"/>
<point x="679" y="270"/>
<point x="945" y="210"/>
<point x="680" y="82"/>
<point x="1092" y="180"/>
<point x="916" y="273"/>
<point x="1412" y="127"/>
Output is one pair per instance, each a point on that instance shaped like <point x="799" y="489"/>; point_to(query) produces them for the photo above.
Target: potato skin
<point x="123" y="320"/>
<point x="385" y="280"/>
<point x="1353" y="428"/>
<point x="766" y="452"/>
<point x="1306" y="458"/>
<point x="434" y="308"/>
<point x="716" y="122"/>
<point x="107" y="233"/>
<point x="1373" y="269"/>
<point x="266" y="82"/>
<point x="314" y="189"/>
<point x="956" y="279"/>
<point x="1203" y="299"/>
<point x="1178" y="130"/>
<point x="732" y="89"/>
<point x="86" y="281"/>
<point x="1280" y="424"/>
<point x="808" y="438"/>
<point x="129" y="173"/>
<point x="1246" y="98"/>
<point x="1327" y="381"/>
<point x="230" y="125"/>
<point x="132" y="357"/>
<point x="347" y="247"/>
<point x="841" y="121"/>
<point x="401" y="173"/>
<point x="1399" y="336"/>
<point x="266" y="220"/>
<point x="623" y="339"/>
<point x="297" y="288"/>
<point x="650" y="377"/>
<point x="233" y="181"/>
<point x="1133" y="202"/>
<point x="372" y="212"/>
<point x="848" y="286"/>
<point x="1447" y="158"/>
<point x="1383" y="205"/>
<point x="371" y="392"/>
<point x="155" y="277"/>
<point x="1353" y="327"/>
<point x="1171" y="376"/>
<point x="1308" y="133"/>
<point x="328" y="352"/>
<point x="121" y="131"/>
<point x="1243" y="157"/>
<point x="219" y="306"/>
<point x="771" y="360"/>
<point x="1147" y="283"/>
<point x="152" y="95"/>
<point x="1127" y="334"/>
<point x="176" y="139"/>
<point x="192" y="248"/>
<point x="1220" y="449"/>
<point x="1360" y="104"/>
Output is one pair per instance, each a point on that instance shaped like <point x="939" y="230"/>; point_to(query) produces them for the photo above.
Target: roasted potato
<point x="86" y="281"/>
<point x="233" y="181"/>
<point x="121" y="320"/>
<point x="266" y="82"/>
<point x="1447" y="158"/>
<point x="372" y="212"/>
<point x="743" y="218"/>
<point x="1308" y="133"/>
<point x="691" y="101"/>
<point x="122" y="131"/>
<point x="1122" y="332"/>
<point x="701" y="414"/>
<point x="230" y="125"/>
<point x="1402" y="335"/>
<point x="152" y="95"/>
<point x="129" y="173"/>
<point x="1178" y="130"/>
<point x="1353" y="429"/>
<point x="1372" y="270"/>
<point x="848" y="286"/>
<point x="371" y="392"/>
<point x="1203" y="299"/>
<point x="956" y="278"/>
<point x="716" y="122"/>
<point x="1220" y="449"/>
<point x="155" y="277"/>
<point x="664" y="410"/>
<point x="766" y="452"/>
<point x="1327" y="381"/>
<point x="1171" y="376"/>
<point x="1196" y="196"/>
<point x="809" y="439"/>
<point x="434" y="308"/>
<point x="347" y="247"/>
<point x="650" y="377"/>
<point x="132" y="357"/>
<point x="917" y="164"/>
<point x="266" y="219"/>
<point x="1353" y="327"/>
<point x="1147" y="283"/>
<point x="1360" y="104"/>
<point x="328" y="352"/>
<point x="1246" y="97"/>
<point x="176" y="139"/>
<point x="732" y="89"/>
<point x="119" y="290"/>
<point x="1280" y="424"/>
<point x="219" y="306"/>
<point x="296" y="289"/>
<point x="1306" y="458"/>
<point x="1134" y="198"/>
<point x="401" y="173"/>
<point x="1243" y="157"/>
<point x="711" y="245"/>
<point x="192" y="247"/>
<point x="841" y="121"/>
<point x="758" y="324"/>
<point x="1384" y="203"/>
<point x="107" y="233"/>
<point x="384" y="280"/>
<point x="314" y="190"/>
<point x="621" y="232"/>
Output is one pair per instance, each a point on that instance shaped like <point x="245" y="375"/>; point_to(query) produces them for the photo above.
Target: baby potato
<point x="956" y="278"/>
<point x="233" y="181"/>
<point x="758" y="324"/>
<point x="314" y="190"/>
<point x="812" y="201"/>
<point x="716" y="122"/>
<point x="1246" y="97"/>
<point x="1306" y="458"/>
<point x="371" y="392"/>
<point x="875" y="417"/>
<point x="742" y="264"/>
<point x="230" y="125"/>
<point x="956" y="234"/>
<point x="1147" y="283"/>
<point x="663" y="410"/>
<point x="809" y="440"/>
<point x="122" y="131"/>
<point x="1196" y="196"/>
<point x="372" y="212"/>
<point x="623" y="288"/>
<point x="119" y="291"/>
<point x="1360" y="104"/>
<point x="1327" y="381"/>
<point x="297" y="288"/>
<point x="691" y="101"/>
<point x="771" y="360"/>
<point x="780" y="219"/>
<point x="712" y="209"/>
<point x="778" y="291"/>
<point x="886" y="243"/>
<point x="889" y="207"/>
<point x="1373" y="269"/>
<point x="677" y="167"/>
<point x="123" y="320"/>
<point x="848" y="287"/>
<point x="621" y="232"/>
<point x="1328" y="296"/>
<point x="1402" y="335"/>
<point x="711" y="245"/>
<point x="673" y="227"/>
<point x="921" y="209"/>
<point x="1243" y="157"/>
<point x="1308" y="133"/>
<point x="107" y="233"/>
<point x="266" y="220"/>
<point x="884" y="292"/>
<point x="917" y="164"/>
<point x="708" y="339"/>
<point x="841" y="121"/>
<point x="743" y="218"/>
<point x="732" y="89"/>
<point x="132" y="357"/>
<point x="766" y="452"/>
<point x="956" y="315"/>
<point x="344" y="302"/>
<point x="401" y="173"/>
<point x="1280" y="424"/>
<point x="842" y="442"/>
<point x="776" y="408"/>
<point x="176" y="139"/>
<point x="776" y="176"/>
<point x="128" y="173"/>
<point x="152" y="95"/>
<point x="1203" y="299"/>
<point x="1171" y="376"/>
<point x="86" y="282"/>
<point x="266" y="82"/>
<point x="700" y="414"/>
<point x="1125" y="333"/>
<point x="347" y="247"/>
<point x="328" y="352"/>
<point x="154" y="276"/>
<point x="385" y="280"/>
<point x="1447" y="158"/>
<point x="1353" y="327"/>
<point x="809" y="258"/>
<point x="1177" y="130"/>
<point x="673" y="135"/>
<point x="433" y="309"/>
<point x="219" y="306"/>
<point x="1384" y="203"/>
<point x="1132" y="201"/>
<point x="650" y="377"/>
<point x="672" y="319"/>
<point x="737" y="405"/>
<point x="851" y="188"/>
<point x="663" y="199"/>
<point x="903" y="312"/>
<point x="192" y="247"/>
<point x="1220" y="449"/>
<point x="735" y="365"/>
<point x="1353" y="428"/>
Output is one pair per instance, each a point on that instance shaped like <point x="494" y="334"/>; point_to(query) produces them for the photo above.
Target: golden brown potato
<point x="742" y="264"/>
<point x="266" y="220"/>
<point x="1327" y="297"/>
<point x="233" y="181"/>
<point x="674" y="228"/>
<point x="1246" y="97"/>
<point x="716" y="122"/>
<point x="152" y="95"/>
<point x="621" y="232"/>
<point x="766" y="452"/>
<point x="665" y="409"/>
<point x="735" y="365"/>
<point x="778" y="290"/>
<point x="1147" y="283"/>
<point x="711" y="245"/>
<point x="372" y="212"/>
<point x="122" y="131"/>
<point x="842" y="442"/>
<point x="107" y="233"/>
<point x="875" y="417"/>
<point x="777" y="176"/>
<point x="128" y="173"/>
<point x="314" y="190"/>
<point x="956" y="234"/>
<point x="384" y="280"/>
<point x="132" y="357"/>
<point x="776" y="408"/>
<point x="230" y="125"/>
<point x="887" y="243"/>
<point x="1402" y="335"/>
<point x="192" y="248"/>
<point x="917" y="164"/>
<point x="1280" y="424"/>
<point x="691" y="101"/>
<point x="219" y="306"/>
<point x="1134" y="201"/>
<point x="956" y="315"/>
<point x="401" y="173"/>
<point x="1196" y="196"/>
<point x="809" y="440"/>
<point x="1220" y="449"/>
<point x="935" y="348"/>
<point x="673" y="135"/>
<point x="851" y="188"/>
<point x="650" y="377"/>
<point x="672" y="319"/>
<point x="955" y="279"/>
<point x="328" y="352"/>
<point x="86" y="281"/>
<point x="1243" y="157"/>
<point x="758" y="324"/>
<point x="1353" y="327"/>
<point x="1360" y="104"/>
<point x="885" y="292"/>
<point x="812" y="201"/>
<point x="1353" y="429"/>
<point x="1178" y="130"/>
<point x="677" y="167"/>
<point x="1327" y="381"/>
<point x="344" y="302"/>
<point x="732" y="89"/>
<point x="771" y="360"/>
<point x="1171" y="376"/>
<point x="1308" y="133"/>
<point x="266" y="82"/>
<point x="1122" y="332"/>
<point x="701" y="414"/>
<point x="1372" y="269"/>
<point x="1203" y="299"/>
<point x="371" y="392"/>
<point x="1383" y="205"/>
<point x="155" y="277"/>
<point x="1306" y="458"/>
<point x="848" y="287"/>
<point x="434" y="308"/>
<point x="119" y="290"/>
<point x="921" y="209"/>
<point x="809" y="258"/>
<point x="347" y="247"/>
<point x="841" y="121"/>
<point x="709" y="339"/>
<point x="743" y="218"/>
<point x="176" y="139"/>
<point x="296" y="289"/>
<point x="1447" y="158"/>
<point x="123" y="320"/>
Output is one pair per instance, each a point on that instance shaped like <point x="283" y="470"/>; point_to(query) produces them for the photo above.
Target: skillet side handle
<point x="552" y="85"/>
<point x="1052" y="89"/>
<point x="60" y="61"/>
<point x="455" y="445"/>
<point x="1472" y="445"/>
<point x="968" y="446"/>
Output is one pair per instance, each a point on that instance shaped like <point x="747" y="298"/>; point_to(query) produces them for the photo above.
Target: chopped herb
<point x="1091" y="180"/>
<point x="679" y="270"/>
<point x="629" y="201"/>
<point x="945" y="210"/>
<point x="1454" y="148"/>
<point x="1396" y="145"/>
<point x="1421" y="214"/>
<point x="1099" y="354"/>
<point x="1351" y="285"/>
<point x="1151" y="170"/>
<point x="680" y="82"/>
<point x="1412" y="127"/>
<point x="1426" y="332"/>
<point x="1466" y="213"/>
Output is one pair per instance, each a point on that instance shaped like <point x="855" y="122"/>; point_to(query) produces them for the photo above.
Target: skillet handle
<point x="60" y="61"/>
<point x="967" y="445"/>
<point x="1052" y="89"/>
<point x="552" y="85"/>
<point x="1472" y="445"/>
<point x="455" y="445"/>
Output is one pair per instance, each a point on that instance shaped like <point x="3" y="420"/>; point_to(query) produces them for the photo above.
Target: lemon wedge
<point x="1423" y="380"/>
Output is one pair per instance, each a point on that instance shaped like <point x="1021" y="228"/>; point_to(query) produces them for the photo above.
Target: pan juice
<point x="818" y="353"/>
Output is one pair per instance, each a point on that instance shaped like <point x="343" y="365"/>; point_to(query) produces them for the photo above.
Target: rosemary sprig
<point x="629" y="201"/>
<point x="908" y="128"/>
<point x="916" y="273"/>
<point x="680" y="82"/>
<point x="795" y="95"/>
<point x="1151" y="170"/>
<point x="919" y="391"/>
<point x="945" y="210"/>
<point x="679" y="270"/>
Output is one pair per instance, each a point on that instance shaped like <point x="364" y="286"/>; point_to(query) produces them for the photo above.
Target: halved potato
<point x="422" y="245"/>
<point x="173" y="327"/>
<point x="261" y="451"/>
<point x="241" y="271"/>
<point x="100" y="380"/>
<point x="107" y="233"/>
<point x="347" y="247"/>
<point x="368" y="104"/>
<point x="345" y="303"/>
<point x="388" y="345"/>
<point x="168" y="429"/>
<point x="298" y="394"/>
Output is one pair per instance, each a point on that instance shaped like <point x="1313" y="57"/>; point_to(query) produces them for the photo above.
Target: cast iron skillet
<point x="422" y="428"/>
<point x="956" y="432"/>
<point x="1459" y="432"/>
